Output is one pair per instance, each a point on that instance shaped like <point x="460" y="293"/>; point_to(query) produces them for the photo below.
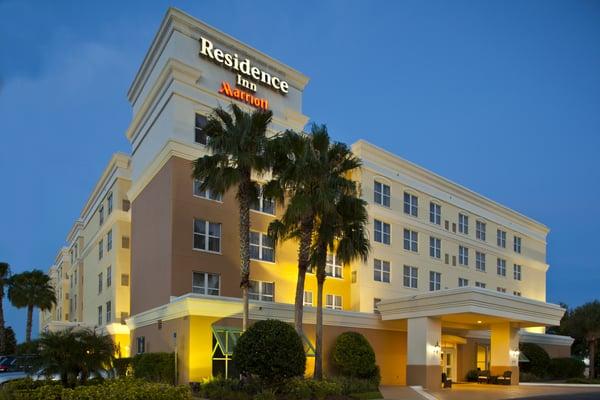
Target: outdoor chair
<point x="505" y="378"/>
<point x="483" y="377"/>
<point x="446" y="383"/>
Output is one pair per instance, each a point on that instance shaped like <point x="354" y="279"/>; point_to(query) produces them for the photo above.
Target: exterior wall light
<point x="437" y="348"/>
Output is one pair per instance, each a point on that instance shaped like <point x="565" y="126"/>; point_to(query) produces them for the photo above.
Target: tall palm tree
<point x="4" y="275"/>
<point x="31" y="289"/>
<point x="238" y="145"/>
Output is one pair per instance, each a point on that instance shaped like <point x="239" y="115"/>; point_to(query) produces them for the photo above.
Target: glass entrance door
<point x="449" y="362"/>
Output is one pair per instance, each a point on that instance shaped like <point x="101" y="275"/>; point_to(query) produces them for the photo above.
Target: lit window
<point x="207" y="235"/>
<point x="411" y="204"/>
<point x="200" y="123"/>
<point x="263" y="204"/>
<point x="501" y="238"/>
<point x="109" y="276"/>
<point x="205" y="194"/>
<point x="501" y="289"/>
<point x="381" y="271"/>
<point x="261" y="247"/>
<point x="480" y="230"/>
<point x="501" y="267"/>
<point x="100" y="283"/>
<point x="410" y="277"/>
<point x="462" y="282"/>
<point x="463" y="224"/>
<point x="99" y="315"/>
<point x="382" y="232"/>
<point x="333" y="302"/>
<point x="333" y="267"/>
<point x="308" y="298"/>
<point x="480" y="285"/>
<point x="100" y="249"/>
<point x="109" y="241"/>
<point x="435" y="247"/>
<point x="517" y="272"/>
<point x="411" y="240"/>
<point x="141" y="344"/>
<point x="109" y="203"/>
<point x="435" y="281"/>
<point x="463" y="255"/>
<point x="101" y="214"/>
<point x="517" y="244"/>
<point x="108" y="312"/>
<point x="263" y="291"/>
<point x="479" y="261"/>
<point x="435" y="213"/>
<point x="381" y="194"/>
<point x="206" y="283"/>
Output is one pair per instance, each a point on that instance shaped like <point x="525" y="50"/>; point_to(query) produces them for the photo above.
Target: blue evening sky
<point x="502" y="97"/>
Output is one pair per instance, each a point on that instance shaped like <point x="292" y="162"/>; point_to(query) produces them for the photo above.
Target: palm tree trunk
<point x="29" y="321"/>
<point x="244" y="200"/>
<point x="318" y="374"/>
<point x="2" y="334"/>
<point x="303" y="263"/>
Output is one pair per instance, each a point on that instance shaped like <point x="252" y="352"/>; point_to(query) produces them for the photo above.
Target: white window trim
<point x="382" y="194"/>
<point x="410" y="276"/>
<point x="381" y="270"/>
<point x="207" y="191"/>
<point x="261" y="205"/>
<point x="333" y="305"/>
<point x="463" y="256"/>
<point x="435" y="249"/>
<point x="435" y="214"/>
<point x="463" y="228"/>
<point x="261" y="247"/>
<point x="333" y="267"/>
<point x="304" y="302"/>
<point x="433" y="282"/>
<point x="413" y="202"/>
<point x="260" y="291"/>
<point x="206" y="283"/>
<point x="207" y="225"/>
<point x="383" y="223"/>
<point x="410" y="240"/>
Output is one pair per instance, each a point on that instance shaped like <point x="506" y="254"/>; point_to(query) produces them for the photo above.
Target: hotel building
<point x="454" y="280"/>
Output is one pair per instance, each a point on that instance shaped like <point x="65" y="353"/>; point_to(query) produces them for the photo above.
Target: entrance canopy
<point x="472" y="308"/>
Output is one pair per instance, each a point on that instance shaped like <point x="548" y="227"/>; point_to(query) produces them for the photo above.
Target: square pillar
<point x="423" y="364"/>
<point x="504" y="348"/>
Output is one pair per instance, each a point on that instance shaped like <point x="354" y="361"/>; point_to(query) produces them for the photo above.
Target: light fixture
<point x="479" y="321"/>
<point x="436" y="348"/>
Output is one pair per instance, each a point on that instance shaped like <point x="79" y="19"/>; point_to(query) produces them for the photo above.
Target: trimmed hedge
<point x="353" y="356"/>
<point x="155" y="367"/>
<point x="270" y="350"/>
<point x="539" y="360"/>
<point x="566" y="368"/>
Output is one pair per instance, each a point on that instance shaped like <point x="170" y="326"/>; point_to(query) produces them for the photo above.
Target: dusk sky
<point x="502" y="97"/>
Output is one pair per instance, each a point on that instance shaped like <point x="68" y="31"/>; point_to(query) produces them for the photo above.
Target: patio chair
<point x="446" y="383"/>
<point x="483" y="377"/>
<point x="505" y="378"/>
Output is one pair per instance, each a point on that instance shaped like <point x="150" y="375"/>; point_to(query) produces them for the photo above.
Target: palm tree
<point x="238" y="143"/>
<point x="31" y="289"/>
<point x="4" y="275"/>
<point x="98" y="352"/>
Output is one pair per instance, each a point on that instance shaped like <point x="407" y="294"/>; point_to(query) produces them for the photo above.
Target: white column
<point x="504" y="350"/>
<point x="424" y="340"/>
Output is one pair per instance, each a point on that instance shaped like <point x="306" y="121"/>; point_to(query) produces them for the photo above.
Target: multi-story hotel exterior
<point x="454" y="280"/>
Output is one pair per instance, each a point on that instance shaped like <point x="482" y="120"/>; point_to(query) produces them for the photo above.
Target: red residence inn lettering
<point x="246" y="97"/>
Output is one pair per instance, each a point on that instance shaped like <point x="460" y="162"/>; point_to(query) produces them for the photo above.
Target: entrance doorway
<point x="449" y="362"/>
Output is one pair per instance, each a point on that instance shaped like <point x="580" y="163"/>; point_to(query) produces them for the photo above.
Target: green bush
<point x="324" y="388"/>
<point x="584" y="381"/>
<point x="356" y="385"/>
<point x="353" y="356"/>
<point x="528" y="377"/>
<point x="472" y="375"/>
<point x="265" y="395"/>
<point x="539" y="360"/>
<point x="270" y="350"/>
<point x="565" y="368"/>
<point x="155" y="367"/>
<point x="123" y="366"/>
<point x="296" y="389"/>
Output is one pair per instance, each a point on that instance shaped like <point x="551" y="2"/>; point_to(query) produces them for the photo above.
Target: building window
<point x="376" y="302"/>
<point x="410" y="277"/>
<point x="480" y="230"/>
<point x="463" y="224"/>
<point x="206" y="283"/>
<point x="517" y="244"/>
<point x="517" y="272"/>
<point x="109" y="276"/>
<point x="124" y="279"/>
<point x="463" y="255"/>
<point x="263" y="204"/>
<point x="411" y="240"/>
<point x="501" y="267"/>
<point x="516" y="293"/>
<point x="125" y="242"/>
<point x="99" y="315"/>
<point x="411" y="204"/>
<point x="109" y="203"/>
<point x="480" y="285"/>
<point x="100" y="249"/>
<point x="141" y="344"/>
<point x="435" y="247"/>
<point x="382" y="232"/>
<point x="109" y="241"/>
<point x="263" y="291"/>
<point x="435" y="213"/>
<point x="462" y="282"/>
<point x="333" y="302"/>
<point x="100" y="283"/>
<point x="200" y="123"/>
<point x="101" y="214"/>
<point x="261" y="247"/>
<point x="308" y="298"/>
<point x="108" y="312"/>
<point x="126" y="205"/>
<point x="381" y="194"/>
<point x="381" y="271"/>
<point x="435" y="281"/>
<point x="501" y="238"/>
<point x="479" y="261"/>
<point x="207" y="193"/>
<point x="333" y="267"/>
<point x="501" y="289"/>
<point x="207" y="235"/>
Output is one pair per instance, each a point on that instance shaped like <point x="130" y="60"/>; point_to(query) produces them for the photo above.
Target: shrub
<point x="296" y="389"/>
<point x="472" y="375"/>
<point x="584" y="381"/>
<point x="353" y="356"/>
<point x="265" y="395"/>
<point x="565" y="368"/>
<point x="539" y="360"/>
<point x="154" y="367"/>
<point x="324" y="388"/>
<point x="123" y="366"/>
<point x="356" y="385"/>
<point x="271" y="350"/>
<point x="528" y="377"/>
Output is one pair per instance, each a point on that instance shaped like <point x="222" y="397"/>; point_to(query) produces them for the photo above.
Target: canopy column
<point x="424" y="338"/>
<point x="504" y="343"/>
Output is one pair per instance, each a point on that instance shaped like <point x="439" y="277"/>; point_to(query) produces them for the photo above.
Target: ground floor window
<point x="223" y="343"/>
<point x="333" y="302"/>
<point x="263" y="291"/>
<point x="483" y="357"/>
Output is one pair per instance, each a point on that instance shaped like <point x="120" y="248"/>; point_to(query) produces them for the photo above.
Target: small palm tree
<point x="98" y="353"/>
<point x="4" y="275"/>
<point x="238" y="143"/>
<point x="31" y="289"/>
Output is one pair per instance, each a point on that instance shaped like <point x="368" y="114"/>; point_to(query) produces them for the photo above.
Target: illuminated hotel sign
<point x="243" y="67"/>
<point x="241" y="95"/>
